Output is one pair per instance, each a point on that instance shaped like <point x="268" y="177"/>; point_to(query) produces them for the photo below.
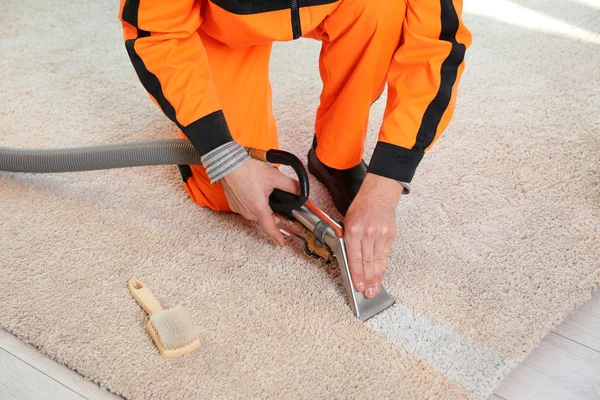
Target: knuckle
<point x="355" y="258"/>
<point x="354" y="229"/>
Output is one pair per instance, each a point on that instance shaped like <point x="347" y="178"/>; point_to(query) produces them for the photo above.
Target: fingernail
<point x="370" y="292"/>
<point x="377" y="287"/>
<point x="361" y="286"/>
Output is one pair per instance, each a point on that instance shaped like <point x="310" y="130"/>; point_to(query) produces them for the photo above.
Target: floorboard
<point x="583" y="326"/>
<point x="558" y="369"/>
<point x="28" y="355"/>
<point x="20" y="381"/>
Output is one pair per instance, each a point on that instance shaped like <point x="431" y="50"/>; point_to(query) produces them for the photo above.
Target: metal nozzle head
<point x="363" y="307"/>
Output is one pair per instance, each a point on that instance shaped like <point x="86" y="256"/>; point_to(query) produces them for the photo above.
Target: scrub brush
<point x="172" y="330"/>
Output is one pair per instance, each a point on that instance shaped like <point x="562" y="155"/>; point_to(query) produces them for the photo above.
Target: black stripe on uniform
<point x="148" y="79"/>
<point x="449" y="71"/>
<point x="206" y="133"/>
<point x="130" y="12"/>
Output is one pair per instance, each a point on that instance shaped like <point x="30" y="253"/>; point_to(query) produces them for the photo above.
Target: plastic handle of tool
<point x="144" y="297"/>
<point x="283" y="201"/>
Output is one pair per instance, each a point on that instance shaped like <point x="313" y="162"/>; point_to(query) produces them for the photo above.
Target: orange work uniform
<point x="205" y="64"/>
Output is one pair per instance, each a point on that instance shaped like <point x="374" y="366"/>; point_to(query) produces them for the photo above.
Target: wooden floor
<point x="565" y="366"/>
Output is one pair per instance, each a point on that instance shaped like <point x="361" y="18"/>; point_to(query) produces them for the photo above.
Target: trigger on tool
<point x="303" y="242"/>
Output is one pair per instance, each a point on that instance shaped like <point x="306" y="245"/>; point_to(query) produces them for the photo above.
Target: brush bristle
<point x="174" y="328"/>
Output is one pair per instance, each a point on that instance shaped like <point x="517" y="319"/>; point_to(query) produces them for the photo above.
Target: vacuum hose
<point x="89" y="158"/>
<point x="137" y="154"/>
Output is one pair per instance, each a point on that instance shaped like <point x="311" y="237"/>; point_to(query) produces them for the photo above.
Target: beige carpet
<point x="498" y="242"/>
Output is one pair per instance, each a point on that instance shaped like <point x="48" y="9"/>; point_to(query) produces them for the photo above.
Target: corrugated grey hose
<point x="117" y="155"/>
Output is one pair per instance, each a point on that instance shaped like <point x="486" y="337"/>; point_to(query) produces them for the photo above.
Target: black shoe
<point x="343" y="184"/>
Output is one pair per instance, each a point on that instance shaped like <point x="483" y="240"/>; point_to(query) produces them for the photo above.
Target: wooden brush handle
<point x="144" y="297"/>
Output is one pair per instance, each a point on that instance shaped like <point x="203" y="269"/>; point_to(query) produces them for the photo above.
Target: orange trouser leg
<point x="359" y="40"/>
<point x="241" y="80"/>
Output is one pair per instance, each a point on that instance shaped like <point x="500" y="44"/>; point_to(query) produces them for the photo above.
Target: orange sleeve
<point x="422" y="85"/>
<point x="171" y="63"/>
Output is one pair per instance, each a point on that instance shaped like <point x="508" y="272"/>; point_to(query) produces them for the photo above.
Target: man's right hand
<point x="248" y="189"/>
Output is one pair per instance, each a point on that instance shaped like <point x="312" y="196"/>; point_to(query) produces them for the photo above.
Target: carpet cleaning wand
<point x="320" y="235"/>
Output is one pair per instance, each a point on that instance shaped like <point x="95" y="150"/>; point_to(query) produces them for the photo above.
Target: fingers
<point x="367" y="246"/>
<point x="355" y="263"/>
<point x="387" y="251"/>
<point x="379" y="261"/>
<point x="247" y="190"/>
<point x="269" y="225"/>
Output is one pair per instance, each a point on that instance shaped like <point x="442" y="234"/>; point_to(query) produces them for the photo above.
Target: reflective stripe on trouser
<point x="359" y="40"/>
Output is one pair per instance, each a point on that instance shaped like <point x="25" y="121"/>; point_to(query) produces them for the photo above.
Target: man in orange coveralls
<point x="205" y="64"/>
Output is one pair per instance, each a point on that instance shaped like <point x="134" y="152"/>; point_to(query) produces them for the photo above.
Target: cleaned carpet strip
<point x="467" y="362"/>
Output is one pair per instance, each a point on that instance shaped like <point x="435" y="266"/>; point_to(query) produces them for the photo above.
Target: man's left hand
<point x="370" y="230"/>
